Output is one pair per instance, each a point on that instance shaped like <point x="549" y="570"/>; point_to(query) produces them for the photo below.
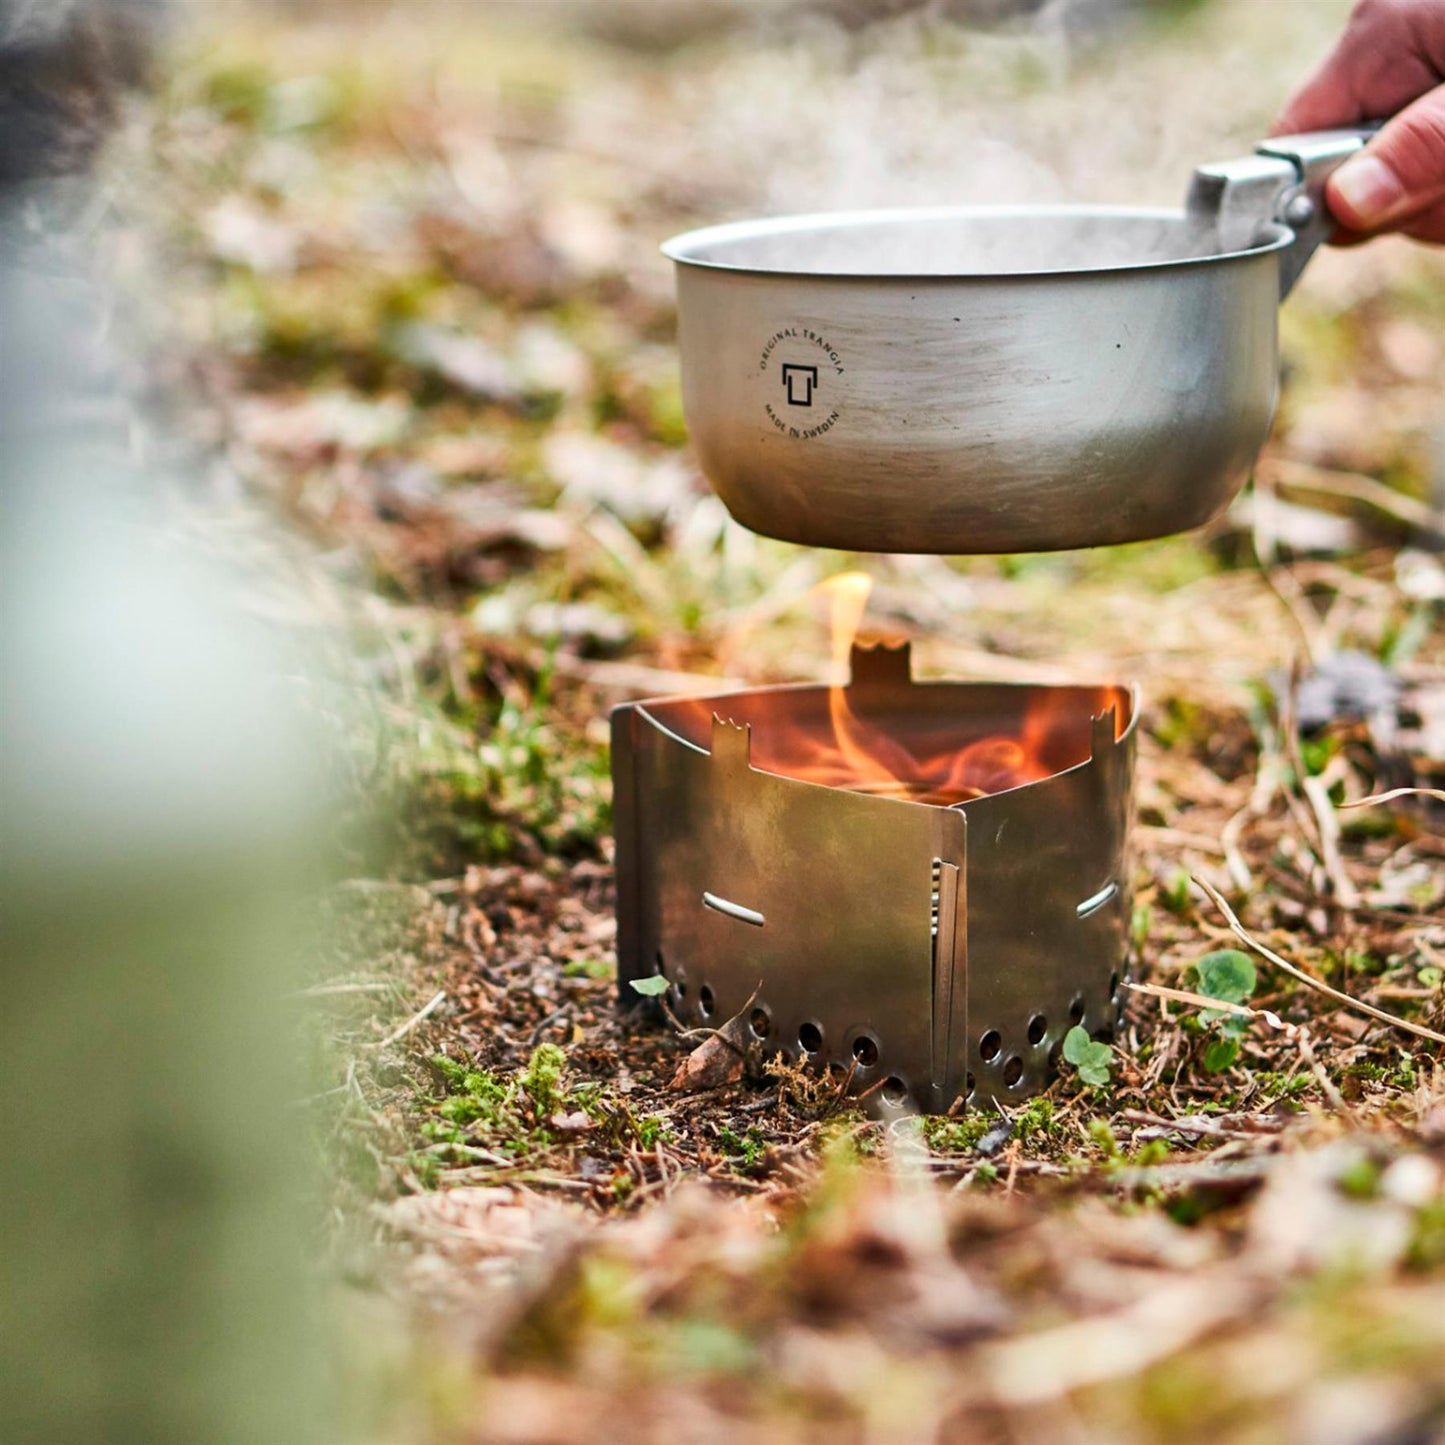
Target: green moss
<point x="1104" y="1139"/>
<point x="598" y="968"/>
<point x="1275" y="1088"/>
<point x="957" y="1136"/>
<point x="1174" y="893"/>
<point x="651" y="1129"/>
<point x="477" y="1096"/>
<point x="1154" y="1151"/>
<point x="1035" y="1120"/>
<point x="543" y="1079"/>
<point x="1427" y="1245"/>
<point x="1361" y="1180"/>
<point x="482" y="1113"/>
<point x="747" y="1149"/>
<point x="426" y="1168"/>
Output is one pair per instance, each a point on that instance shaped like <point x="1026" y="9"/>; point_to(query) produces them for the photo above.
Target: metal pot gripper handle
<point x="1237" y="203"/>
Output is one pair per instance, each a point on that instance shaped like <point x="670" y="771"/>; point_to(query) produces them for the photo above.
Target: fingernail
<point x="1369" y="190"/>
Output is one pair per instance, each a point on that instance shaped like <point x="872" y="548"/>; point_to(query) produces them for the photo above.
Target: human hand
<point x="1389" y="62"/>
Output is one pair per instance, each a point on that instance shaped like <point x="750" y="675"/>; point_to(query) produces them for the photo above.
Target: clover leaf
<point x="1227" y="975"/>
<point x="1091" y="1059"/>
<point x="1221" y="1053"/>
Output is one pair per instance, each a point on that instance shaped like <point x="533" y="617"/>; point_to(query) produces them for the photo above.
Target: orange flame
<point x="872" y="759"/>
<point x="911" y="754"/>
<point x="865" y="757"/>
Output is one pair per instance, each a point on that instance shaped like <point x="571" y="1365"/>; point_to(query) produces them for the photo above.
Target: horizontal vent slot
<point x="730" y="909"/>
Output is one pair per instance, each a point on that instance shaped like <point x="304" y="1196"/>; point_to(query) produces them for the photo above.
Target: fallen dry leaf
<point x="718" y="1060"/>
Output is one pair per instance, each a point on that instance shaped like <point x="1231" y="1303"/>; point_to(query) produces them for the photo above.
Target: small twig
<point x="1013" y="1170"/>
<point x="1300" y="477"/>
<point x="682" y="1032"/>
<point x="1244" y="935"/>
<point x="868" y="1093"/>
<point x="842" y="1089"/>
<point x="768" y="1101"/>
<point x="1276" y="573"/>
<point x="1341" y="884"/>
<point x="417" y="1018"/>
<point x="1437" y="793"/>
<point x="1297" y="1032"/>
<point x="1315" y="807"/>
<point x="1200" y="1126"/>
<point x="1199" y="1000"/>
<point x="1229" y="842"/>
<point x="1321" y="1077"/>
<point x="536" y="1034"/>
<point x="1261" y="795"/>
<point x="326" y="990"/>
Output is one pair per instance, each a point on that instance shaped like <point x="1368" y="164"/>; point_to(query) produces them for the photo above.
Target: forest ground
<point x="416" y="325"/>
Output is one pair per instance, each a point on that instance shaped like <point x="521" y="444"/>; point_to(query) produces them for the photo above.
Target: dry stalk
<point x="1277" y="575"/>
<point x="420" y="1016"/>
<point x="1261" y="796"/>
<point x="1341" y="884"/>
<point x="1322" y="1078"/>
<point x="1199" y="1000"/>
<point x="1246" y="937"/>
<point x="1438" y="794"/>
<point x="1302" y="477"/>
<point x="1297" y="1033"/>
<point x="1319" y="812"/>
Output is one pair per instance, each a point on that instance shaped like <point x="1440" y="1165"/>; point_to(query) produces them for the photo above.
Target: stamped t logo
<point x="799" y="382"/>
<point x="789" y="384"/>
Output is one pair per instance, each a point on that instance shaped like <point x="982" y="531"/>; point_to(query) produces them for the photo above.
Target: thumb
<point x="1401" y="171"/>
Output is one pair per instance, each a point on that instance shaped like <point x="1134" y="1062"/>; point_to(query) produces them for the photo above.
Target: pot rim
<point x="682" y="248"/>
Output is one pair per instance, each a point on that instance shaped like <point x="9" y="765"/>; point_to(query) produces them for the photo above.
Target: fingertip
<point x="1364" y="194"/>
<point x="1286" y="123"/>
<point x="1299" y="116"/>
<point x="1318" y="104"/>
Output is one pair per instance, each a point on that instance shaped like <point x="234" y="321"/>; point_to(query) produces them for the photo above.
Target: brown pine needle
<point x="1244" y="936"/>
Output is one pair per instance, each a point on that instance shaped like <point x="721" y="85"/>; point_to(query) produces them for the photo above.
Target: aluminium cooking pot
<point x="997" y="379"/>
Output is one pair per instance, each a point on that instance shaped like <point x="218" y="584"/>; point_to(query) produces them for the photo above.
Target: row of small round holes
<point x="810" y="1036"/>
<point x="990" y="1045"/>
<point x="865" y="1050"/>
